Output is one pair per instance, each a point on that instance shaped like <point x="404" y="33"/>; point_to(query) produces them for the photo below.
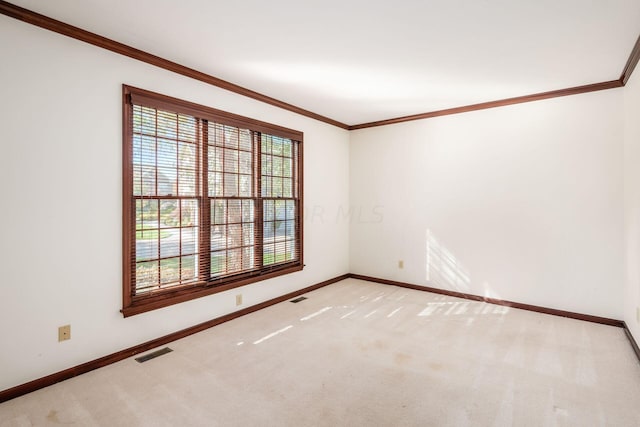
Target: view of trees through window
<point x="209" y="200"/>
<point x="165" y="187"/>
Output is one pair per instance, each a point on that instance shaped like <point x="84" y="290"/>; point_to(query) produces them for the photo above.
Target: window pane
<point x="266" y="143"/>
<point x="149" y="214"/>
<point x="230" y="185"/>
<point x="218" y="211"/>
<point x="215" y="184"/>
<point x="167" y="153"/>
<point x="167" y="182"/>
<point x="216" y="156"/>
<point x="245" y="186"/>
<point x="187" y="156"/>
<point x="290" y="207"/>
<point x="189" y="237"/>
<point x="169" y="213"/>
<point x="146" y="274"/>
<point x="218" y="262"/>
<point x="287" y="167"/>
<point x="290" y="229"/>
<point x="277" y="166"/>
<point x="148" y="181"/>
<point x="146" y="245"/>
<point x="234" y="235"/>
<point x="147" y="120"/>
<point x="137" y="181"/>
<point x="169" y="242"/>
<point x="188" y="270"/>
<point x="167" y="124"/>
<point x="187" y="128"/>
<point x="247" y="211"/>
<point x="276" y="190"/>
<point x="269" y="210"/>
<point x="218" y="237"/>
<point x="247" y="234"/>
<point x="234" y="211"/>
<point x="231" y="161"/>
<point x="234" y="260"/>
<point x="137" y="119"/>
<point x="219" y="134"/>
<point x="291" y="250"/>
<point x="144" y="150"/>
<point x="169" y="270"/>
<point x="189" y="213"/>
<point x="266" y="186"/>
<point x="245" y="140"/>
<point x="286" y="148"/>
<point x="186" y="182"/>
<point x="287" y="187"/>
<point x="266" y="165"/>
<point x="231" y="136"/>
<point x="277" y="145"/>
<point x="269" y="231"/>
<point x="245" y="162"/>
<point x="248" y="258"/>
<point x="268" y="254"/>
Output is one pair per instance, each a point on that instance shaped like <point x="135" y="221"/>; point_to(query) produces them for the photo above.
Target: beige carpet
<point x="362" y="354"/>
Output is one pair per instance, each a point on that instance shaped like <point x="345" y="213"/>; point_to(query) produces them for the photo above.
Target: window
<point x="211" y="201"/>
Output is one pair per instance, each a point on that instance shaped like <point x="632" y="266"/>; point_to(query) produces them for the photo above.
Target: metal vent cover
<point x="153" y="355"/>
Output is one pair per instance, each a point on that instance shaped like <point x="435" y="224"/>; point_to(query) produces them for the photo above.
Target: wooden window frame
<point x="133" y="303"/>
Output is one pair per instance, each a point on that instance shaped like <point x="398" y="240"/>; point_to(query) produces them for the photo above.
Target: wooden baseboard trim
<point x="66" y="374"/>
<point x="538" y="309"/>
<point x="632" y="341"/>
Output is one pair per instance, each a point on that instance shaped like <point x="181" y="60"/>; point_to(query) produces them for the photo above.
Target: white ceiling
<point x="358" y="61"/>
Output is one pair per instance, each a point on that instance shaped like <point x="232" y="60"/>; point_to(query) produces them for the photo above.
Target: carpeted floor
<point x="363" y="354"/>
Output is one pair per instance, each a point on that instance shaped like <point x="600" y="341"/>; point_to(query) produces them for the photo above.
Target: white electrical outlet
<point x="238" y="299"/>
<point x="401" y="264"/>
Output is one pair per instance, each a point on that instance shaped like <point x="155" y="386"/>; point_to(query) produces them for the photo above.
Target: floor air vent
<point x="153" y="355"/>
<point x="299" y="299"/>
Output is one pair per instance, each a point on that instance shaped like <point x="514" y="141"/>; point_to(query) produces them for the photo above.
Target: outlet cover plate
<point x="64" y="333"/>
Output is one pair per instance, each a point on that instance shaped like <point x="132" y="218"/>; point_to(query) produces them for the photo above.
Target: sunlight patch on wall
<point x="444" y="270"/>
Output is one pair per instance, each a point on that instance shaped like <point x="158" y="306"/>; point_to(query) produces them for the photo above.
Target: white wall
<point x="632" y="203"/>
<point x="521" y="203"/>
<point x="60" y="215"/>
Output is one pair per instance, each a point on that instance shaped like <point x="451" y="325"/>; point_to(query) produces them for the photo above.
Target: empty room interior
<point x="320" y="213"/>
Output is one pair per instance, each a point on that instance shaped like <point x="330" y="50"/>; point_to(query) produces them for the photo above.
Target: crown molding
<point x="493" y="104"/>
<point x="634" y="57"/>
<point x="60" y="27"/>
<point x="65" y="29"/>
